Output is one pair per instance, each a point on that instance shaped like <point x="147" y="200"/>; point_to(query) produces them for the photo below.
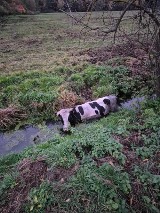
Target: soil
<point x="132" y="55"/>
<point x="61" y="174"/>
<point x="32" y="174"/>
<point x="133" y="139"/>
<point x="108" y="159"/>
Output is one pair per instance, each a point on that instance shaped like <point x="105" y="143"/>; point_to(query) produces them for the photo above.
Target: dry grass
<point x="67" y="99"/>
<point x="10" y="116"/>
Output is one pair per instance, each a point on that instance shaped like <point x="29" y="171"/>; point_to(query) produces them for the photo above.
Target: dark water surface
<point x="133" y="104"/>
<point x="17" y="140"/>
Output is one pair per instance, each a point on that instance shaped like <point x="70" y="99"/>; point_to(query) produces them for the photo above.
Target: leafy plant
<point x="8" y="182"/>
<point x="39" y="198"/>
<point x="7" y="162"/>
<point x="77" y="81"/>
<point x="100" y="186"/>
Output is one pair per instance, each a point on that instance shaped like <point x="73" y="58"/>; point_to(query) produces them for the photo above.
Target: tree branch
<point x="114" y="29"/>
<point x="139" y="6"/>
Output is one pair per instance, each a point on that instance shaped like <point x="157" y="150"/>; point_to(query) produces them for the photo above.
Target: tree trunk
<point x="157" y="61"/>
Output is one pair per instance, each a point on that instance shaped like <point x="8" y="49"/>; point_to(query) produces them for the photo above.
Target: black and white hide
<point x="93" y="109"/>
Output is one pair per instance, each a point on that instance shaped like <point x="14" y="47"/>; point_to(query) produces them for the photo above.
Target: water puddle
<point x="17" y="140"/>
<point x="133" y="104"/>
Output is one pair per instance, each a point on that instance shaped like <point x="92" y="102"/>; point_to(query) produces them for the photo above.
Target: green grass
<point x="40" y="54"/>
<point x="126" y="180"/>
<point x="38" y="92"/>
<point x="41" y="64"/>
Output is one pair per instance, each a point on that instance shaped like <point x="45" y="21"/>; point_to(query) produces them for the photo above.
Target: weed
<point x="150" y="184"/>
<point x="39" y="198"/>
<point x="40" y="90"/>
<point x="7" y="162"/>
<point x="105" y="80"/>
<point x="121" y="183"/>
<point x="8" y="182"/>
<point x="35" y="92"/>
<point x="100" y="188"/>
<point x="100" y="91"/>
<point x="100" y="141"/>
<point x="77" y="82"/>
<point x="52" y="76"/>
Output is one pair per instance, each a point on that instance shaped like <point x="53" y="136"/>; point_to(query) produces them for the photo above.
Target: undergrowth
<point x="118" y="158"/>
<point x="41" y="94"/>
<point x="105" y="80"/>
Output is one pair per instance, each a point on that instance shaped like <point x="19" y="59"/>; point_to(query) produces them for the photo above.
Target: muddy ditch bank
<point x="17" y="140"/>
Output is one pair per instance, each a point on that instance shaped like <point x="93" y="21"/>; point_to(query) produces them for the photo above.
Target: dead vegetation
<point x="67" y="99"/>
<point x="132" y="55"/>
<point x="10" y="116"/>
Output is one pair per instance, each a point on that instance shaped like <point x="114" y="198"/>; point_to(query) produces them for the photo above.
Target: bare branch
<point x="121" y="17"/>
<point x="141" y="7"/>
<point x="113" y="29"/>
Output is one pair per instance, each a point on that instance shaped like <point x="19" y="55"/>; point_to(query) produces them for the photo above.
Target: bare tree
<point x="148" y="26"/>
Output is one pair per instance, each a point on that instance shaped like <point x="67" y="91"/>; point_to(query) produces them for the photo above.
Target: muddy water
<point x="133" y="104"/>
<point x="17" y="140"/>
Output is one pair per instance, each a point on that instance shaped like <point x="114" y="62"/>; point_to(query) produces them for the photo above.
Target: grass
<point x="42" y="55"/>
<point x="109" y="165"/>
<point x="38" y="42"/>
<point x="42" y="42"/>
<point x="118" y="169"/>
<point x="40" y="94"/>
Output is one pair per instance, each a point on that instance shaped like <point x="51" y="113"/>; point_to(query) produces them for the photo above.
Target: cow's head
<point x="64" y="116"/>
<point x="113" y="103"/>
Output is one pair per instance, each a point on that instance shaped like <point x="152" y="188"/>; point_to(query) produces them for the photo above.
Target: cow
<point x="89" y="110"/>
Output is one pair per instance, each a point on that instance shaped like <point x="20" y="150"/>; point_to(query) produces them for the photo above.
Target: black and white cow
<point x="93" y="109"/>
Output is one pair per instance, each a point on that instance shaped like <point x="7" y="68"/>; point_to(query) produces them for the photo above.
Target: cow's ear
<point x="107" y="101"/>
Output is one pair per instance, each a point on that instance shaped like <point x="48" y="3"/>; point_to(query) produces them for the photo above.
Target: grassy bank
<point x="111" y="165"/>
<point x="48" y="62"/>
